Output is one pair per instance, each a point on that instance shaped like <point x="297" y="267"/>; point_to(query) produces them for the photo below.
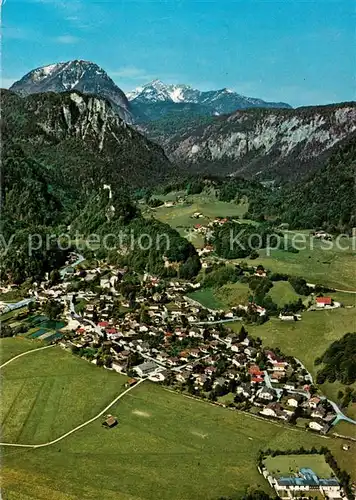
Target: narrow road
<point x="220" y="321"/>
<point x="25" y="354"/>
<point x="49" y="443"/>
<point x="339" y="414"/>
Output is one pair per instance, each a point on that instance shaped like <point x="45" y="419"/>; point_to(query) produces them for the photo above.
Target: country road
<point x="49" y="443"/>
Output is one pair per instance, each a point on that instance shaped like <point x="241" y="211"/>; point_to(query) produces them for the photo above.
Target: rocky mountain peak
<point x="83" y="76"/>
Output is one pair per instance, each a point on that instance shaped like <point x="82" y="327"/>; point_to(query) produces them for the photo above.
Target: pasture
<point x="166" y="446"/>
<point x="225" y="297"/>
<point x="207" y="297"/>
<point x="180" y="216"/>
<point x="233" y="294"/>
<point x="47" y="393"/>
<point x="335" y="267"/>
<point x="12" y="346"/>
<point x="283" y="293"/>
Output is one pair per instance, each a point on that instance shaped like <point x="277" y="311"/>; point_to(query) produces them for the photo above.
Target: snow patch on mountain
<point x="221" y="101"/>
<point x="83" y="76"/>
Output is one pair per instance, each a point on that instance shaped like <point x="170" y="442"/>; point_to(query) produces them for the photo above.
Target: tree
<point x="340" y="395"/>
<point x="53" y="309"/>
<point x="55" y="277"/>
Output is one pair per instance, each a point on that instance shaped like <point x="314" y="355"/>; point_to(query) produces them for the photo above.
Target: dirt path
<point x="25" y="354"/>
<point x="49" y="443"/>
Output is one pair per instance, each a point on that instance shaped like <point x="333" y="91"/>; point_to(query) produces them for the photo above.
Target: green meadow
<point x="12" y="346"/>
<point x="225" y="297"/>
<point x="283" y="293"/>
<point x="335" y="267"/>
<point x="165" y="446"/>
<point x="47" y="393"/>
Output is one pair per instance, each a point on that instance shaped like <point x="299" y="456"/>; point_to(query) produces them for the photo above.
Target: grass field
<point x="335" y="268"/>
<point x="12" y="346"/>
<point x="233" y="294"/>
<point x="207" y="297"/>
<point x="179" y="216"/>
<point x="282" y="293"/>
<point x="224" y="297"/>
<point x="346" y="429"/>
<point x="306" y="339"/>
<point x="165" y="447"/>
<point x="47" y="393"/>
<point x="285" y="465"/>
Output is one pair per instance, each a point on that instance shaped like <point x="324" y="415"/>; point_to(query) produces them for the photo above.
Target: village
<point x="147" y="327"/>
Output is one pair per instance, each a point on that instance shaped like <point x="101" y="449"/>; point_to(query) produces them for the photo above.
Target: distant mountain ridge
<point x="212" y="102"/>
<point x="270" y="144"/>
<point x="147" y="103"/>
<point x="83" y="76"/>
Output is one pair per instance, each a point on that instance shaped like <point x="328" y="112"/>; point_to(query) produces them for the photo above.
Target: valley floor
<point x="165" y="445"/>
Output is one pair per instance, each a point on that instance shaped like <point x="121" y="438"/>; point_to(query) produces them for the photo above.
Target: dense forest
<point x="59" y="161"/>
<point x="325" y="200"/>
<point x="339" y="361"/>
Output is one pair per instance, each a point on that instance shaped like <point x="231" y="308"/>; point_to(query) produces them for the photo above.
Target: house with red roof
<point x="255" y="371"/>
<point x="324" y="301"/>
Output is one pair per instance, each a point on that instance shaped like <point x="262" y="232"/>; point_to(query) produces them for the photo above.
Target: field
<point x="12" y="346"/>
<point x="282" y="293"/>
<point x="48" y="392"/>
<point x="165" y="447"/>
<point x="224" y="297"/>
<point x="179" y="216"/>
<point x="207" y="298"/>
<point x="335" y="267"/>
<point x="285" y="465"/>
<point x="233" y="294"/>
<point x="306" y="339"/>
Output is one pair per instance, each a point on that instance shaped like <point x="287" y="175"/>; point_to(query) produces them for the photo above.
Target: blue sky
<point x="301" y="52"/>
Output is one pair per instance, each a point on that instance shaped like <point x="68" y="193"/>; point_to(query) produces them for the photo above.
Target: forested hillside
<point x="60" y="152"/>
<point x="326" y="199"/>
<point x="264" y="144"/>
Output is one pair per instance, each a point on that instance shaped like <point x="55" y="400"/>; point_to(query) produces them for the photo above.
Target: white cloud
<point x="131" y="72"/>
<point x="67" y="39"/>
<point x="75" y="12"/>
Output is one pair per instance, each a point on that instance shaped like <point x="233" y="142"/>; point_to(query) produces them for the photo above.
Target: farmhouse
<point x="324" y="301"/>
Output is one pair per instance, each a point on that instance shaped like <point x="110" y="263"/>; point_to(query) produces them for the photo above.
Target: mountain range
<point x="83" y="76"/>
<point x="218" y="132"/>
<point x="79" y="144"/>
<point x="268" y="144"/>
<point x="157" y="99"/>
<point x="146" y="103"/>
